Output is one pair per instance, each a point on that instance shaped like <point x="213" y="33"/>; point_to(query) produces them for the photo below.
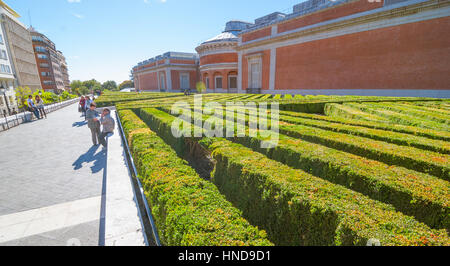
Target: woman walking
<point x="83" y="106"/>
<point x="40" y="106"/>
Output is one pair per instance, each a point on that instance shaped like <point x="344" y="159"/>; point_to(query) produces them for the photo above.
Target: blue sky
<point x="103" y="39"/>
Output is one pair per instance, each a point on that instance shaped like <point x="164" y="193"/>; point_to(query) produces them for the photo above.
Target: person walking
<point x="32" y="107"/>
<point x="82" y="107"/>
<point x="108" y="126"/>
<point x="87" y="104"/>
<point x="40" y="106"/>
<point x="93" y="123"/>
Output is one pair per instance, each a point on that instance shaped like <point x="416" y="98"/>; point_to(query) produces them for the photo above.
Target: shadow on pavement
<point x="99" y="160"/>
<point x="79" y="124"/>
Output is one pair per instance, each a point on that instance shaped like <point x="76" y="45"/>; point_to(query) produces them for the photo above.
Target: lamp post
<point x="3" y="91"/>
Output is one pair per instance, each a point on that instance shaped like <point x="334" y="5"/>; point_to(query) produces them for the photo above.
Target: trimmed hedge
<point x="381" y="135"/>
<point x="188" y="210"/>
<point x="414" y="193"/>
<point x="299" y="209"/>
<point x="416" y="159"/>
<point x="409" y="157"/>
<point x="417" y="131"/>
<point x="432" y="116"/>
<point x="342" y="111"/>
<point x="399" y="118"/>
<point x="376" y="134"/>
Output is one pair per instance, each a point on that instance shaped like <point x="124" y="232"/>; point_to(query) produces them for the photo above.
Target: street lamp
<point x="3" y="91"/>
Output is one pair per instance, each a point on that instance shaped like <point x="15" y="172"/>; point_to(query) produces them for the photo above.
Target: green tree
<point x="201" y="88"/>
<point x="92" y="85"/>
<point x="126" y="84"/>
<point x="110" y="85"/>
<point x="22" y="94"/>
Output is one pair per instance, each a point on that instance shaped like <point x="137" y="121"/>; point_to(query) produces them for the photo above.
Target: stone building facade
<point x="341" y="47"/>
<point x="20" y="49"/>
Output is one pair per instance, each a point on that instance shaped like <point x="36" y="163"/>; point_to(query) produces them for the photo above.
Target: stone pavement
<point x="54" y="186"/>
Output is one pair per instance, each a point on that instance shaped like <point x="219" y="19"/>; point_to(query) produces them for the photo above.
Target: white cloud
<point x="74" y="1"/>
<point x="79" y="16"/>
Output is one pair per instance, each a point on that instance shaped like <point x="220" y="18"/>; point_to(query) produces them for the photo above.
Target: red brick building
<point x="170" y="72"/>
<point x="390" y="47"/>
<point x="341" y="47"/>
<point x="219" y="59"/>
<point x="51" y="63"/>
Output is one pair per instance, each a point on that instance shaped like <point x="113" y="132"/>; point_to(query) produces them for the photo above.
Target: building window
<point x="40" y="49"/>
<point x="42" y="56"/>
<point x="3" y="55"/>
<point x="162" y="82"/>
<point x="207" y="82"/>
<point x="1" y="39"/>
<point x="219" y="82"/>
<point x="5" y="69"/>
<point x="254" y="72"/>
<point x="184" y="81"/>
<point x="232" y="82"/>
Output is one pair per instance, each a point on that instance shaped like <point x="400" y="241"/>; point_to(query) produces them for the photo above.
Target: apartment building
<point x="8" y="82"/>
<point x="340" y="47"/>
<point x="172" y="71"/>
<point x="50" y="62"/>
<point x="20" y="49"/>
<point x="64" y="70"/>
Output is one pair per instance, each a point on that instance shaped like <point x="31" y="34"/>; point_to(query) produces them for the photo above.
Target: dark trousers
<point x="103" y="137"/>
<point x="95" y="131"/>
<point x="36" y="113"/>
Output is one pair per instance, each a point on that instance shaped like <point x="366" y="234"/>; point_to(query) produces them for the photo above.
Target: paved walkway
<point x="54" y="186"/>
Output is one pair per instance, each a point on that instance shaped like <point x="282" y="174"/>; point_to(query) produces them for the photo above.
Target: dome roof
<point x="226" y="36"/>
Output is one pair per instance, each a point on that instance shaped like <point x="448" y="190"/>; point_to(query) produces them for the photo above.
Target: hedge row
<point x="441" y="109"/>
<point x="414" y="193"/>
<point x="417" y="131"/>
<point x="399" y="118"/>
<point x="188" y="210"/>
<point x="297" y="208"/>
<point x="409" y="157"/>
<point x="432" y="116"/>
<point x="376" y="134"/>
<point x="416" y="159"/>
<point x="339" y="110"/>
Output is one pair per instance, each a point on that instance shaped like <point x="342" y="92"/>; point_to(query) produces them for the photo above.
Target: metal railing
<point x="8" y="122"/>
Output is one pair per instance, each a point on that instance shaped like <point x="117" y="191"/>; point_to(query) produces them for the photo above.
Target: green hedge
<point x="416" y="159"/>
<point x="188" y="210"/>
<point x="299" y="209"/>
<point x="417" y="131"/>
<point x="414" y="193"/>
<point x="399" y="118"/>
<point x="376" y="134"/>
<point x="411" y="111"/>
<point x="342" y="111"/>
